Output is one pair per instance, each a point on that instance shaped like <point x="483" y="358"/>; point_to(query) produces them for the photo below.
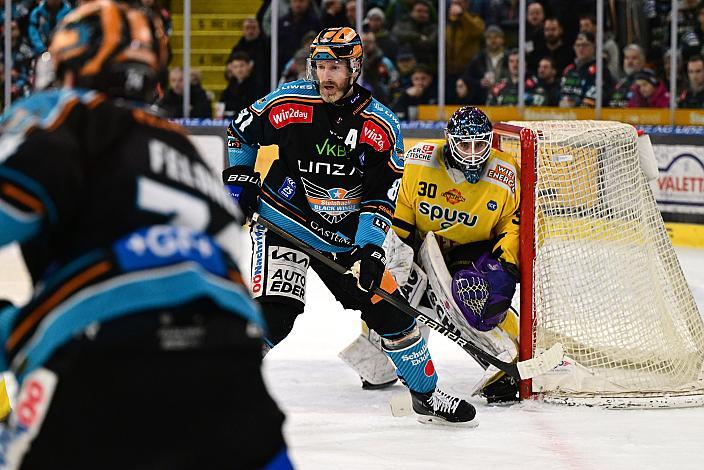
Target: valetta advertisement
<point x="680" y="186"/>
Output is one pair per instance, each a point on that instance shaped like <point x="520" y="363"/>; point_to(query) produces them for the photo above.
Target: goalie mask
<point x="108" y="47"/>
<point x="469" y="136"/>
<point x="336" y="47"/>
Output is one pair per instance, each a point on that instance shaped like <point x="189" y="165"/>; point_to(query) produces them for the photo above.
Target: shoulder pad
<point x="297" y="89"/>
<point x="378" y="109"/>
<point x="379" y="117"/>
<point x="501" y="170"/>
<point x="425" y="153"/>
<point x="42" y="109"/>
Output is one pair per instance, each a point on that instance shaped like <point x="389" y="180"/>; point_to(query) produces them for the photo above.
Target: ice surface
<point x="333" y="424"/>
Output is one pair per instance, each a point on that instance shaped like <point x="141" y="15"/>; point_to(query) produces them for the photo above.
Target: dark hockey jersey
<point x="578" y="84"/>
<point x="335" y="182"/>
<point x="111" y="200"/>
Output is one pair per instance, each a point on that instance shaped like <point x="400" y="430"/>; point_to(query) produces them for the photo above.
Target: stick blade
<point x="541" y="364"/>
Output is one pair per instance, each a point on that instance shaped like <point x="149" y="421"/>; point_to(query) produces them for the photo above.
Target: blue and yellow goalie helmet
<point x="340" y="44"/>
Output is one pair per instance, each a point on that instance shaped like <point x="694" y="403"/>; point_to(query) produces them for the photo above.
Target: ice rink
<point x="333" y="424"/>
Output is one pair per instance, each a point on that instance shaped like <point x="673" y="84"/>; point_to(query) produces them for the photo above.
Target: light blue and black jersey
<point x="116" y="213"/>
<point x="335" y="182"/>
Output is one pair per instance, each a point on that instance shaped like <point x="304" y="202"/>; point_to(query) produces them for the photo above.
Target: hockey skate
<point x="437" y="407"/>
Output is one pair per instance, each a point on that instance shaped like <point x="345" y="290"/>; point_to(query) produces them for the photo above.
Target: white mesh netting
<point x="607" y="283"/>
<point x="473" y="292"/>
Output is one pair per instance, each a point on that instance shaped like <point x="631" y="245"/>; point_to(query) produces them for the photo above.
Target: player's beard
<point x="332" y="92"/>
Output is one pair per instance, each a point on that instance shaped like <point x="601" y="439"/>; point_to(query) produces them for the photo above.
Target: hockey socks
<point x="413" y="363"/>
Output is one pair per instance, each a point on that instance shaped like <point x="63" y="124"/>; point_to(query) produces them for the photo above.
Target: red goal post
<point x="526" y="161"/>
<point x="598" y="272"/>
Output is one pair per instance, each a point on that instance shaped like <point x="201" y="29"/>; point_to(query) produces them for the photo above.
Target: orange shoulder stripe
<point x="54" y="299"/>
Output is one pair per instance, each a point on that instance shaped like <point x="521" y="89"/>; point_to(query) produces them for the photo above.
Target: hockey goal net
<point x="599" y="273"/>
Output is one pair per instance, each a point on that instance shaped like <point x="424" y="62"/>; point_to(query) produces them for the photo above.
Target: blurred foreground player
<point x="457" y="216"/>
<point x="334" y="187"/>
<point x="140" y="347"/>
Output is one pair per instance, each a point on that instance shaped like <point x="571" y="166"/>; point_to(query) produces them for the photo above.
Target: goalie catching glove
<point x="484" y="292"/>
<point x="243" y="184"/>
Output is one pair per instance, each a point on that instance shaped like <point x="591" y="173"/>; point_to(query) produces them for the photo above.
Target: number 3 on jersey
<point x="426" y="189"/>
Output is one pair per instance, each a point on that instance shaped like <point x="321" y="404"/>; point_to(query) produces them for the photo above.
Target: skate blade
<point x="425" y="419"/>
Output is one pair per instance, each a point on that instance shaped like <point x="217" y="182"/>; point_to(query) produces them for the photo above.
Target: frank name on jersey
<point x="178" y="167"/>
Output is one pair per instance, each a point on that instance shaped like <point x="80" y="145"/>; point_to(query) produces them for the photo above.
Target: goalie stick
<point x="521" y="370"/>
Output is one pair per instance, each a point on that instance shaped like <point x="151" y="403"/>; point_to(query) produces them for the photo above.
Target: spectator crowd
<point x="482" y="59"/>
<point x="400" y="40"/>
<point x="31" y="25"/>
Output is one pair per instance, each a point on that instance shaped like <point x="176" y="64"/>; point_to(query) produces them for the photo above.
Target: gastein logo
<point x="290" y="113"/>
<point x="453" y="196"/>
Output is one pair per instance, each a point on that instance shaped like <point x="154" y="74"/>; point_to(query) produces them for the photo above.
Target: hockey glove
<point x="399" y="257"/>
<point x="483" y="292"/>
<point x="243" y="184"/>
<point x="367" y="265"/>
<point x="502" y="287"/>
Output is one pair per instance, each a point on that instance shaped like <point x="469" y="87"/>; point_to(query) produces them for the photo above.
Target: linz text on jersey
<point x="285" y="114"/>
<point x="334" y="169"/>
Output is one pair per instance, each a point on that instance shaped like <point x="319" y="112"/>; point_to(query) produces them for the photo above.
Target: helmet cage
<point x="469" y="152"/>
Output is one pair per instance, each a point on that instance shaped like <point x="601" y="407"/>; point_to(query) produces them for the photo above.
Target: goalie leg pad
<point x="510" y="325"/>
<point x="414" y="288"/>
<point x="370" y="362"/>
<point x="495" y="341"/>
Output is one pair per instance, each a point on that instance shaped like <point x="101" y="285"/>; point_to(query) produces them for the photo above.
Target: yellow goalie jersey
<point x="434" y="198"/>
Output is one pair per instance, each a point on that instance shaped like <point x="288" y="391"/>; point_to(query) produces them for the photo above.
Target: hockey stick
<point x="540" y="364"/>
